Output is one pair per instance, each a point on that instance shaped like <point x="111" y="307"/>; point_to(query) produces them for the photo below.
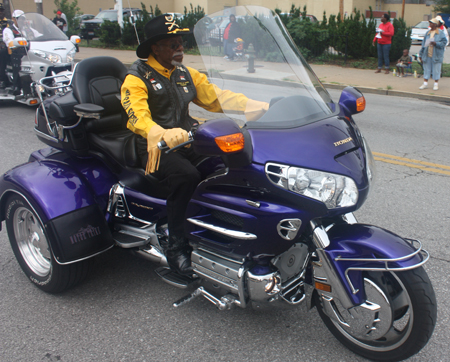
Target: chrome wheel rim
<point x="32" y="242"/>
<point x="400" y="325"/>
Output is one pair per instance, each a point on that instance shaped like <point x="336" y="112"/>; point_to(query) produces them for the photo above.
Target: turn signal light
<point x="23" y="43"/>
<point x="322" y="286"/>
<point x="361" y="104"/>
<point x="78" y="40"/>
<point x="34" y="101"/>
<point x="231" y="143"/>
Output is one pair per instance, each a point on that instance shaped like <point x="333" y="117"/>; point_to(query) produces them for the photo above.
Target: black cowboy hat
<point x="161" y="27"/>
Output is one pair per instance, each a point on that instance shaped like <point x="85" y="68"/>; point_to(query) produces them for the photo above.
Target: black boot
<point x="179" y="261"/>
<point x="16" y="91"/>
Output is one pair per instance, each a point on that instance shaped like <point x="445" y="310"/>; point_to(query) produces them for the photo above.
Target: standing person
<point x="59" y="21"/>
<point x="432" y="54"/>
<point x="4" y="56"/>
<point x="443" y="28"/>
<point x="156" y="95"/>
<point x="383" y="38"/>
<point x="9" y="34"/>
<point x="232" y="31"/>
<point x="66" y="25"/>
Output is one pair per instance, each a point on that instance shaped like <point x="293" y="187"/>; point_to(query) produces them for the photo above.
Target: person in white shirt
<point x="443" y="28"/>
<point x="66" y="25"/>
<point x="19" y="28"/>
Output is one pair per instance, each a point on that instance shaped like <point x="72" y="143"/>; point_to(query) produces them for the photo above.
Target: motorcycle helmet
<point x="17" y="14"/>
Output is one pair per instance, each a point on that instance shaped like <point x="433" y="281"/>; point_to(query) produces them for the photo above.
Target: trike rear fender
<point x="67" y="205"/>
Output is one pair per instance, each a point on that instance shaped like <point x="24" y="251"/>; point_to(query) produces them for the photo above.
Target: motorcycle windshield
<point x="278" y="87"/>
<point x="36" y="27"/>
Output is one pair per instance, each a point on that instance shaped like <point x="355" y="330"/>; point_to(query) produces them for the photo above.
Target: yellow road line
<point x="421" y="165"/>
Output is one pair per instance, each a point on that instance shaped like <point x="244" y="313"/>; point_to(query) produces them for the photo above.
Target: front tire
<point x="402" y="326"/>
<point x="32" y="248"/>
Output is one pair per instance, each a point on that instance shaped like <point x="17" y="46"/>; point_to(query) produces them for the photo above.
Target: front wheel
<point x="31" y="247"/>
<point x="396" y="321"/>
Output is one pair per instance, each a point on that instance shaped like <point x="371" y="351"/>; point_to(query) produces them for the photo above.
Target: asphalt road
<point x="123" y="311"/>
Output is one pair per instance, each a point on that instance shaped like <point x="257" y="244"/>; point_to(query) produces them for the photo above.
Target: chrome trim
<point x="152" y="254"/>
<point x="119" y="189"/>
<point x="326" y="268"/>
<point x="230" y="233"/>
<point x="214" y="176"/>
<point x="320" y="236"/>
<point x="294" y="285"/>
<point x="256" y="204"/>
<point x="425" y="255"/>
<point x="46" y="136"/>
<point x="224" y="303"/>
<point x="289" y="228"/>
<point x="236" y="261"/>
<point x="257" y="286"/>
<point x="350" y="218"/>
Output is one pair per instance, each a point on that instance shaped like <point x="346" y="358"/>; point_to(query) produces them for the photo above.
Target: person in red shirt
<point x="385" y="32"/>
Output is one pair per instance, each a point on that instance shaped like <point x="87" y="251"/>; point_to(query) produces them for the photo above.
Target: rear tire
<point x="32" y="248"/>
<point x="403" y="325"/>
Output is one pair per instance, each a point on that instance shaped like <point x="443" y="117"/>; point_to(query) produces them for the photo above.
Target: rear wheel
<point x="396" y="321"/>
<point x="32" y="249"/>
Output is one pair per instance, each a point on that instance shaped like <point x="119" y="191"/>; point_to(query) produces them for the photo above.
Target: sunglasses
<point x="173" y="45"/>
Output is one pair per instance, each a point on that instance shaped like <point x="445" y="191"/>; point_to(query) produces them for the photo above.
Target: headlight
<point x="333" y="190"/>
<point x="51" y="57"/>
<point x="71" y="55"/>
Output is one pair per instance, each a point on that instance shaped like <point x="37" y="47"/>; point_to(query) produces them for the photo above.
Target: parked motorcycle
<point x="271" y="224"/>
<point x="48" y="53"/>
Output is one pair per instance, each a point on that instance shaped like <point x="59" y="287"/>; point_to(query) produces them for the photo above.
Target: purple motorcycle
<point x="271" y="224"/>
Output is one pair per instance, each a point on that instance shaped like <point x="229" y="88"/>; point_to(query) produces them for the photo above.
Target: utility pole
<point x="7" y="9"/>
<point x="119" y="9"/>
<point x="39" y="8"/>
<point x="341" y="9"/>
<point x="403" y="9"/>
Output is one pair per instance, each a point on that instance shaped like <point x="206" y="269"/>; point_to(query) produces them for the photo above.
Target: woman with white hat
<point x="432" y="54"/>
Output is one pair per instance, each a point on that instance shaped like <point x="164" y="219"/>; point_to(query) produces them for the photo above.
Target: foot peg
<point x="224" y="303"/>
<point x="175" y="279"/>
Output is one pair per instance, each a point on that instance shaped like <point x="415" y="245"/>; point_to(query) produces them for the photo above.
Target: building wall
<point x="413" y="12"/>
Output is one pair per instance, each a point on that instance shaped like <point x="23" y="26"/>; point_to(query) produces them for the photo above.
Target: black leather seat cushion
<point x="98" y="80"/>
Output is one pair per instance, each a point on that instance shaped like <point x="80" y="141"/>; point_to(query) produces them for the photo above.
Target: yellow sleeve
<point x="134" y="97"/>
<point x="212" y="98"/>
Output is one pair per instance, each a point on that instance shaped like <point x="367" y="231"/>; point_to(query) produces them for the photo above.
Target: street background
<point x="333" y="77"/>
<point x="123" y="311"/>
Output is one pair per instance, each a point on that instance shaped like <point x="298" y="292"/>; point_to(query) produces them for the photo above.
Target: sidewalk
<point x="332" y="77"/>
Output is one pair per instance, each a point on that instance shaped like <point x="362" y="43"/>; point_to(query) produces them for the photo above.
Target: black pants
<point x="177" y="171"/>
<point x="4" y="58"/>
<point x="16" y="62"/>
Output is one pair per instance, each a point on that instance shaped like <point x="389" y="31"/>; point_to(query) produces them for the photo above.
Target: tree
<point x="442" y="6"/>
<point x="70" y="9"/>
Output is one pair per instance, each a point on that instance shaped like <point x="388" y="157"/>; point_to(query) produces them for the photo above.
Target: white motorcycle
<point x="48" y="53"/>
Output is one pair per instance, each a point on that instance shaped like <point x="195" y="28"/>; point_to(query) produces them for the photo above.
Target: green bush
<point x="110" y="33"/>
<point x="189" y="20"/>
<point x="401" y="39"/>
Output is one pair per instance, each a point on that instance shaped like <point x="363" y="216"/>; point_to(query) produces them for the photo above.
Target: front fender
<point x="69" y="206"/>
<point x="355" y="248"/>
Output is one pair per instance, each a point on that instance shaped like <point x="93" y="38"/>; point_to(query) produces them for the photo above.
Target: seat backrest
<point x="98" y="80"/>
